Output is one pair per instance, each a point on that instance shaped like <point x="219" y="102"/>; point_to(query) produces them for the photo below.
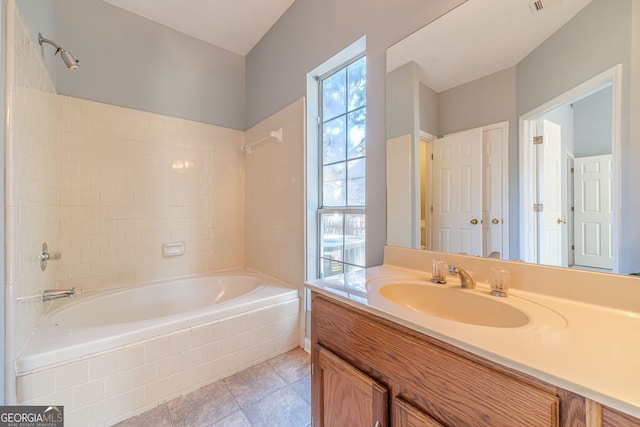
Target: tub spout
<point x="50" y="294"/>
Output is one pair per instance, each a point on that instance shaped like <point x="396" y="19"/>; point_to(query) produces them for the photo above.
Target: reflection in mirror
<point x="468" y="94"/>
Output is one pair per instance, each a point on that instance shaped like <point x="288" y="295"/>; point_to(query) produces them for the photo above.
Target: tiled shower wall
<point x="275" y="196"/>
<point x="131" y="181"/>
<point x="32" y="187"/>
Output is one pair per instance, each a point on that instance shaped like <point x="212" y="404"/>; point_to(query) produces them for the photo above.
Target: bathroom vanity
<point x="383" y="364"/>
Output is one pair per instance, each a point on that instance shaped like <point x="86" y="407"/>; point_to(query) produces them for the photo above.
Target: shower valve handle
<point x="45" y="256"/>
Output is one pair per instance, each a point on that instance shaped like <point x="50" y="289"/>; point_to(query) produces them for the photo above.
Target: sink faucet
<point x="50" y="294"/>
<point x="465" y="278"/>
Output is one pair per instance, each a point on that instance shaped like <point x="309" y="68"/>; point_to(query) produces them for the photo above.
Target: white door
<point x="551" y="220"/>
<point x="457" y="193"/>
<point x="494" y="139"/>
<point x="593" y="212"/>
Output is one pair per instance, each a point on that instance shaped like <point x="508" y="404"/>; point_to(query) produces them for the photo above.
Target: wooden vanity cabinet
<point x="376" y="371"/>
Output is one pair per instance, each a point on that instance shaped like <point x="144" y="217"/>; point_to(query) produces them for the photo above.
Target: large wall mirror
<point x="513" y="131"/>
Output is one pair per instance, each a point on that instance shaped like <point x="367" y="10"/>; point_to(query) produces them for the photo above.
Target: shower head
<point x="67" y="58"/>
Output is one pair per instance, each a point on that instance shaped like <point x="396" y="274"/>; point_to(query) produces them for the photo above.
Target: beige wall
<point x="130" y="181"/>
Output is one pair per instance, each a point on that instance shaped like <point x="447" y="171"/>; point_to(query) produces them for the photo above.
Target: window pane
<point x="334" y="95"/>
<point x="331" y="236"/>
<point x="356" y="182"/>
<point x="333" y="141"/>
<point x="354" y="239"/>
<point x="357" y="133"/>
<point x="330" y="268"/>
<point x="334" y="185"/>
<point x="357" y="75"/>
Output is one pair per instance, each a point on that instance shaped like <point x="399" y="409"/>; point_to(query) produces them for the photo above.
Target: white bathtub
<point x="96" y="322"/>
<point x="111" y="355"/>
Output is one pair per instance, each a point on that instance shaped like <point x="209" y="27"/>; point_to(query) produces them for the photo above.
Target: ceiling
<point x="235" y="25"/>
<point x="479" y="38"/>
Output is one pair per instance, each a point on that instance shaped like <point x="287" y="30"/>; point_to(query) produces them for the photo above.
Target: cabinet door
<point x="407" y="415"/>
<point x="613" y="418"/>
<point x="348" y="397"/>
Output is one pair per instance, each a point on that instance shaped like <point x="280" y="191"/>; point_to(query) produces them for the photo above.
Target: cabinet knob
<point x="495" y="221"/>
<point x="474" y="221"/>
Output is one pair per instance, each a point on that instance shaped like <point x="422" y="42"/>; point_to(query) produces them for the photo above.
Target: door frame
<point x="504" y="128"/>
<point x="528" y="173"/>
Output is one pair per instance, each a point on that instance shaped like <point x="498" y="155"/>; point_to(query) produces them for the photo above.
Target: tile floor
<point x="273" y="393"/>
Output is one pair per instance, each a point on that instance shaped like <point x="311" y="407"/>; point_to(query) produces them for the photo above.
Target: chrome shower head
<point x="67" y="58"/>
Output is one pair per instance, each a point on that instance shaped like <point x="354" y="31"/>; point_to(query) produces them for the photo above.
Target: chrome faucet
<point x="465" y="278"/>
<point x="51" y="294"/>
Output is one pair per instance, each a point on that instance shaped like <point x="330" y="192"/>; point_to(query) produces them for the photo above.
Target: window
<point x="342" y="127"/>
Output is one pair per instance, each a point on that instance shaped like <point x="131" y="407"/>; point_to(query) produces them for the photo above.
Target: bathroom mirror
<point x="467" y="97"/>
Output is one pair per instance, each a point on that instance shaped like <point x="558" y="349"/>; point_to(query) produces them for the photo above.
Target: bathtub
<point x="166" y="338"/>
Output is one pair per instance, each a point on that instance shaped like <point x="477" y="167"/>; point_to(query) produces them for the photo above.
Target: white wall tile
<point x="190" y="358"/>
<point x="118" y="383"/>
<point x="211" y="351"/>
<point x="145" y="374"/>
<point x="131" y="357"/>
<point x="103" y="365"/>
<point x="268" y="316"/>
<point x="180" y="342"/>
<point x="200" y="336"/>
<point x="275" y="202"/>
<point x="228" y="345"/>
<point x="157" y="392"/>
<point x="237" y="325"/>
<point x="71" y="374"/>
<point x="32" y="189"/>
<point x="179" y="381"/>
<point x="158" y="348"/>
<point x="124" y="160"/>
<point x="88" y="393"/>
<point x="34" y="385"/>
<point x="201" y="374"/>
<point x="168" y="365"/>
<point x="219" y="330"/>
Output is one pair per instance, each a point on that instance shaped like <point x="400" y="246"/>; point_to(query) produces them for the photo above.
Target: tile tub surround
<point x="112" y="386"/>
<point x="132" y="180"/>
<point x="273" y="393"/>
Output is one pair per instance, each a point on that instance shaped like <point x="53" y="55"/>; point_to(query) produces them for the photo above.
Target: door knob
<point x="562" y="220"/>
<point x="474" y="221"/>
<point x="495" y="221"/>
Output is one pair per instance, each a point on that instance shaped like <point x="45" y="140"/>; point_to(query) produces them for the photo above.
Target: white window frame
<point x="313" y="159"/>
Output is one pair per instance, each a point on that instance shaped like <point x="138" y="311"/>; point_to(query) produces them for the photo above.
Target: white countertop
<point x="593" y="351"/>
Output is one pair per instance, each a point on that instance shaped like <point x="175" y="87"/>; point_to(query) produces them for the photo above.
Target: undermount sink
<point x="453" y="303"/>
